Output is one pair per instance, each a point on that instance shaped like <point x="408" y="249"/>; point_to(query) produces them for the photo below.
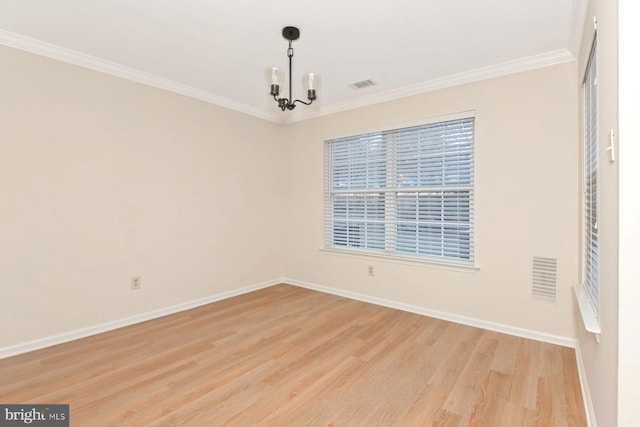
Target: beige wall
<point x="601" y="360"/>
<point x="102" y="179"/>
<point x="526" y="198"/>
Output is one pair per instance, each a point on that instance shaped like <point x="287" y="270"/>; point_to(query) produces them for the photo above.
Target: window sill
<point x="404" y="260"/>
<point x="589" y="316"/>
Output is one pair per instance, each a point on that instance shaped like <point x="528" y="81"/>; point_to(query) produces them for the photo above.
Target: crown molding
<point x="509" y="67"/>
<point x="52" y="51"/>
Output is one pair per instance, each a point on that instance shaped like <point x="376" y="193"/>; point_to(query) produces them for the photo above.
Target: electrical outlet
<point x="136" y="282"/>
<point x="371" y="270"/>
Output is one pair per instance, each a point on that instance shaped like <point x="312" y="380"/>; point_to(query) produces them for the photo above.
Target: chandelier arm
<point x="283" y="103"/>
<point x="302" y="102"/>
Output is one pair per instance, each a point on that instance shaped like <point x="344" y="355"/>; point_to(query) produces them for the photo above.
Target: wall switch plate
<point x="136" y="282"/>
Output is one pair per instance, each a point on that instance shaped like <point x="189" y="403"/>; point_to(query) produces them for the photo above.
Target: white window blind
<point x="405" y="192"/>
<point x="590" y="180"/>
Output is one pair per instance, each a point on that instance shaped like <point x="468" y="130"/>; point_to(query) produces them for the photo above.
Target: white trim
<point x="49" y="50"/>
<point x="584" y="386"/>
<point x="406" y="260"/>
<point x="492" y="326"/>
<point x="519" y="332"/>
<point x="587" y="312"/>
<point x="52" y="51"/>
<point x="108" y="326"/>
<point x="546" y="59"/>
<point x="127" y="321"/>
<point x="389" y="191"/>
<point x="483" y="324"/>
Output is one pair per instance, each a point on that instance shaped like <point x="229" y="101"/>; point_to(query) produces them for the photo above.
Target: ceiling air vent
<point x="544" y="278"/>
<point x="362" y="84"/>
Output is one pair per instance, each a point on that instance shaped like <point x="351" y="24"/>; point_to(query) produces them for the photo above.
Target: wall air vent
<point x="544" y="278"/>
<point x="362" y="84"/>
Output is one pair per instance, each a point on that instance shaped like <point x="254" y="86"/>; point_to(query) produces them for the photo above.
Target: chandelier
<point x="291" y="34"/>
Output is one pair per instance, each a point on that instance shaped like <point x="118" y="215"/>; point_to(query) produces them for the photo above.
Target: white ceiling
<point x="220" y="51"/>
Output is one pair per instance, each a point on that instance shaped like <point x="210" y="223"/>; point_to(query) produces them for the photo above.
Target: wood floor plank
<point x="285" y="355"/>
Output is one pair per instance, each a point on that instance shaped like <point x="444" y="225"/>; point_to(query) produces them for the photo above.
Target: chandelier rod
<point x="290" y="55"/>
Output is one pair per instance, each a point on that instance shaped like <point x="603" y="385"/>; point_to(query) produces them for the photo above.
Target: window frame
<point x="590" y="186"/>
<point x="389" y="252"/>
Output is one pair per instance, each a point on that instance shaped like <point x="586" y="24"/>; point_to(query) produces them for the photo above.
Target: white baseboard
<point x="496" y="327"/>
<point x="584" y="385"/>
<point x="109" y="326"/>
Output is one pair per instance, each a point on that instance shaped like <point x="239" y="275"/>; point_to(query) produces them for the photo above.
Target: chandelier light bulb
<point x="311" y="81"/>
<point x="277" y="75"/>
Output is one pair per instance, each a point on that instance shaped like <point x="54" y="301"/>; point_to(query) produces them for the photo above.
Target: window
<point x="405" y="192"/>
<point x="590" y="180"/>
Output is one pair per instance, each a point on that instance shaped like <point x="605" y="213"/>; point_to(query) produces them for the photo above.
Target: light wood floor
<point x="287" y="356"/>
